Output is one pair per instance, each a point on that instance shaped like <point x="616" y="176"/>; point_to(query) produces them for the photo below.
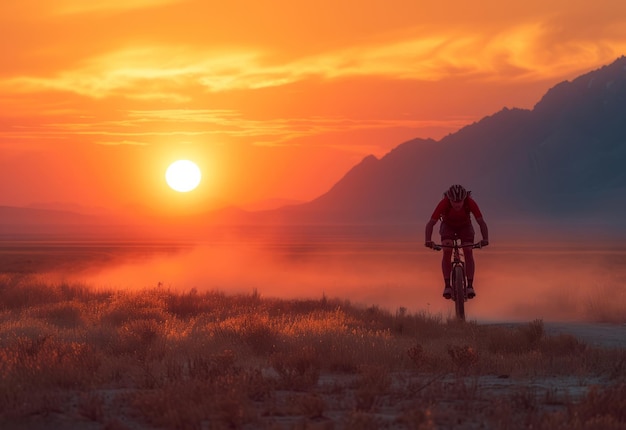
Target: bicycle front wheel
<point x="458" y="284"/>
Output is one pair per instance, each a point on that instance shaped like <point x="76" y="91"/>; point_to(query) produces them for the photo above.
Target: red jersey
<point x="456" y="218"/>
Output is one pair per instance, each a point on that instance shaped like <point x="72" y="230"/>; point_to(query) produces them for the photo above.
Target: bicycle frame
<point x="458" y="277"/>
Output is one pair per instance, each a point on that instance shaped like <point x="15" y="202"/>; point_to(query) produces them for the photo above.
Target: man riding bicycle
<point x="455" y="210"/>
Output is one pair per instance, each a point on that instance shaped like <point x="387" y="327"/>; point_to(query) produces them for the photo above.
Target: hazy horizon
<point x="514" y="282"/>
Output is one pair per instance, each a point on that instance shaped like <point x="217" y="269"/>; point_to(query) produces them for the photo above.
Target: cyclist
<point x="455" y="211"/>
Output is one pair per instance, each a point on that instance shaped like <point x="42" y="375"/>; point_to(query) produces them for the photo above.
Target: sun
<point x="183" y="176"/>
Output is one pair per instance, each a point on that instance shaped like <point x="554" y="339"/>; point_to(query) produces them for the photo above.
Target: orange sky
<point x="273" y="99"/>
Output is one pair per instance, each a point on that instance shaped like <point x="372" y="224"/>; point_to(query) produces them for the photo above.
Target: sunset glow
<point x="227" y="213"/>
<point x="283" y="97"/>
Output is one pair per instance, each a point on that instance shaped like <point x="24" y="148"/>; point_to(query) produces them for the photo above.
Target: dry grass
<point x="158" y="359"/>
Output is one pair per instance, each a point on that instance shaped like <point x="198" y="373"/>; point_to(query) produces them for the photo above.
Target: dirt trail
<point x="596" y="334"/>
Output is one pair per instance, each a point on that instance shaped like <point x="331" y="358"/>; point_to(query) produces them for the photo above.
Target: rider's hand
<point x="429" y="244"/>
<point x="484" y="243"/>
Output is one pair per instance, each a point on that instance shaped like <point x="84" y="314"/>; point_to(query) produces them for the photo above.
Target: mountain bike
<point x="457" y="275"/>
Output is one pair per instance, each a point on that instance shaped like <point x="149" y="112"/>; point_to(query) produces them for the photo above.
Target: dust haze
<point x="550" y="281"/>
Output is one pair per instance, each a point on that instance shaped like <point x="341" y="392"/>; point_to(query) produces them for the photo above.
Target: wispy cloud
<point x="277" y="131"/>
<point x="70" y="7"/>
<point x="173" y="73"/>
<point x="151" y="73"/>
<point x="123" y="142"/>
<point x="145" y="127"/>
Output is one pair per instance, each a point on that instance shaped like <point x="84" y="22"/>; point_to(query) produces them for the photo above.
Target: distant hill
<point x="71" y="207"/>
<point x="10" y="215"/>
<point x="43" y="224"/>
<point x="564" y="159"/>
<point x="269" y="204"/>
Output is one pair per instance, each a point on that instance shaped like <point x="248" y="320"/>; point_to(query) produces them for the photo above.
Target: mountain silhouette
<point x="562" y="160"/>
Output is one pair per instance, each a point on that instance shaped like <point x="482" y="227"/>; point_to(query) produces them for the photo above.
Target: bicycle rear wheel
<point x="458" y="285"/>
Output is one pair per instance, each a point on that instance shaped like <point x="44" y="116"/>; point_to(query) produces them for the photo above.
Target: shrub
<point x="63" y="315"/>
<point x="298" y="369"/>
<point x="374" y="382"/>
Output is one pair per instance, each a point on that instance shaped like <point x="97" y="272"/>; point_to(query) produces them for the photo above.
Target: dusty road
<point x="595" y="334"/>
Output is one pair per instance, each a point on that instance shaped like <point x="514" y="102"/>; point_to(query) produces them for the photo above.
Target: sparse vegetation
<point x="160" y="359"/>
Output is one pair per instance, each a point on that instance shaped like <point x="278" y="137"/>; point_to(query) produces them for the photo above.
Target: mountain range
<point x="560" y="163"/>
<point x="563" y="160"/>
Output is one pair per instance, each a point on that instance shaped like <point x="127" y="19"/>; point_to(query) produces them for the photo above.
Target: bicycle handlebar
<point x="439" y="247"/>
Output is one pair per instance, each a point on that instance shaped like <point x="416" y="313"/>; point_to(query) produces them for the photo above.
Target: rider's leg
<point x="469" y="271"/>
<point x="446" y="268"/>
<point x="470" y="266"/>
<point x="467" y="239"/>
<point x="446" y="260"/>
<point x="447" y="236"/>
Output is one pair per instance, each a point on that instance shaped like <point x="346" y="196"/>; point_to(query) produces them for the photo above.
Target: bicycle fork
<point x="458" y="270"/>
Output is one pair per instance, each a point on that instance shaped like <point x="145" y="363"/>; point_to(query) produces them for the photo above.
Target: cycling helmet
<point x="456" y="193"/>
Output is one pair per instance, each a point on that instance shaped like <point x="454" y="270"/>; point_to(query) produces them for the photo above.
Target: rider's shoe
<point x="471" y="293"/>
<point x="447" y="293"/>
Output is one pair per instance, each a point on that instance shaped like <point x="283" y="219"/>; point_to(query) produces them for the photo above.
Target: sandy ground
<point x="593" y="334"/>
<point x="601" y="335"/>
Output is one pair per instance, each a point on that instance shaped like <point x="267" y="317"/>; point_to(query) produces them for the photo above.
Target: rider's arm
<point x="484" y="231"/>
<point x="441" y="206"/>
<point x="429" y="230"/>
